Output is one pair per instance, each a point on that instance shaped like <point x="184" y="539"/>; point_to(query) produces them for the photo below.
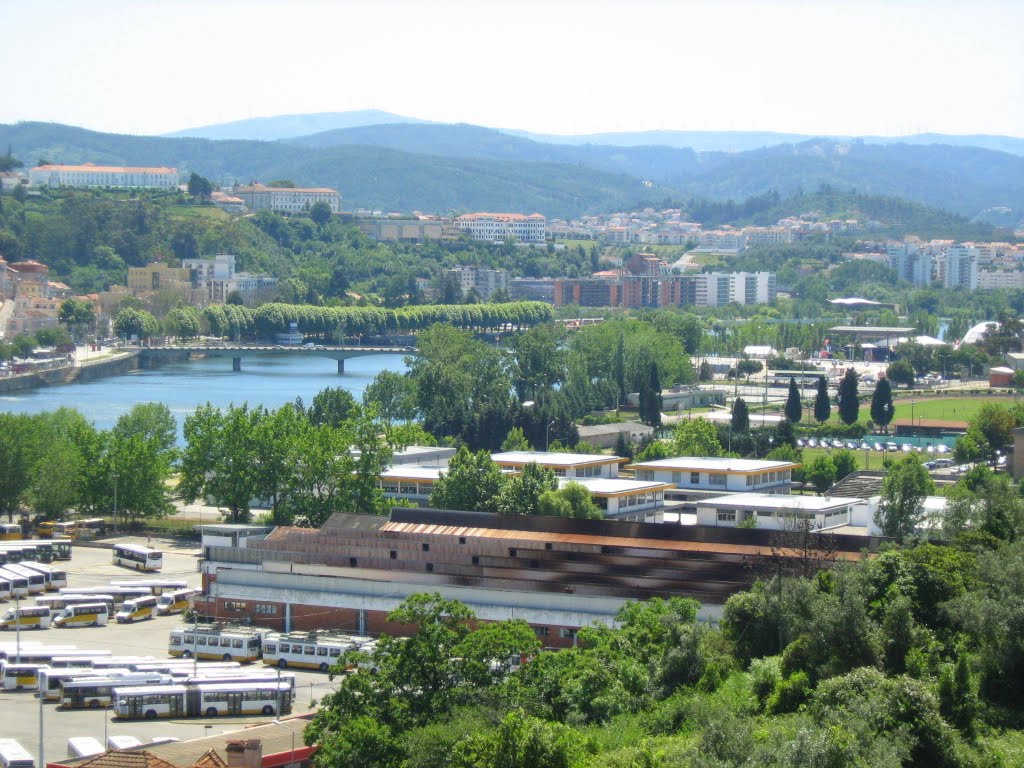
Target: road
<point x="90" y="567"/>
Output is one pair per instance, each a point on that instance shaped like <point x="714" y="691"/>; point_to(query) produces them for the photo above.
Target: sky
<point x="841" y="67"/>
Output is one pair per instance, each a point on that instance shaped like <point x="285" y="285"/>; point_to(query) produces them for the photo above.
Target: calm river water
<point x="264" y="380"/>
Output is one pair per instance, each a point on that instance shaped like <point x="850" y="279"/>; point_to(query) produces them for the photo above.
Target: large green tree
<point x="882" y="409"/>
<point x="472" y="482"/>
<point x="901" y="507"/>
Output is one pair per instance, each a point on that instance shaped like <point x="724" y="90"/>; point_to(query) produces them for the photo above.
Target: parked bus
<point x="186" y="667"/>
<point x="84" y="746"/>
<point x="58" y="550"/>
<point x="98" y="691"/>
<point x="214" y="641"/>
<point x="59" y="658"/>
<point x="203" y="699"/>
<point x="154" y="586"/>
<point x="36" y="580"/>
<point x="56" y="578"/>
<point x="57" y="603"/>
<point x="10" y="532"/>
<point x="5" y="588"/>
<point x="18" y="551"/>
<point x="90" y="528"/>
<point x="139" y="558"/>
<point x="50" y="679"/>
<point x="51" y="529"/>
<point x="122" y="742"/>
<point x="119" y="594"/>
<point x="239" y="676"/>
<point x="83" y="615"/>
<point x="175" y="601"/>
<point x="313" y="650"/>
<point x="13" y="755"/>
<point x="12" y="649"/>
<point x="19" y="677"/>
<point x="29" y="617"/>
<point x="19" y="584"/>
<point x="139" y="609"/>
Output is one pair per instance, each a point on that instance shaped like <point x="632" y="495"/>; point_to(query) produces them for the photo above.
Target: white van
<point x="82" y="615"/>
<point x="136" y="610"/>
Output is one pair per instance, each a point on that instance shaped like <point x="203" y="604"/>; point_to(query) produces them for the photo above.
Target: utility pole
<point x="42" y="760"/>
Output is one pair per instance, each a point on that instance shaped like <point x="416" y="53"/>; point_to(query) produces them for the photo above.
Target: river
<point x="266" y="380"/>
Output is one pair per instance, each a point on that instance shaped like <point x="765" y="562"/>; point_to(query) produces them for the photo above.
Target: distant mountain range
<point x="290" y="126"/>
<point x="405" y="166"/>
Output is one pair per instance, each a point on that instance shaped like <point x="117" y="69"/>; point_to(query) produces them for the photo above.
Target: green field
<point x="945" y="408"/>
<point x="197" y="212"/>
<point x="874" y="460"/>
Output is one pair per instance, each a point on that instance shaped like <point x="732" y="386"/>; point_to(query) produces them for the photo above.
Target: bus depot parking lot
<point x="91" y="567"/>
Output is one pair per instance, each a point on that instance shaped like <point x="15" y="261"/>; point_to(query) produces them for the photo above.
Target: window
<point x="426" y="547"/>
<point x="511" y="552"/>
<point x="352" y="562"/>
<point x="462" y="539"/>
<point x="716" y="479"/>
<point x="567" y="633"/>
<point x="548" y="546"/>
<point x="727" y="515"/>
<point x="541" y="631"/>
<point x="476" y="559"/>
<point x="394" y="554"/>
<point x="266" y="609"/>
<point x="430" y="567"/>
<point x="225" y="642"/>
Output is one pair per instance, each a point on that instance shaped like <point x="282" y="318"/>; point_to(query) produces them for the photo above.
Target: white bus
<point x="122" y="742"/>
<point x="203" y="699"/>
<point x="120" y="594"/>
<point x="57" y="658"/>
<point x="11" y="650"/>
<point x="10" y="532"/>
<point x="57" y="603"/>
<point x="36" y="580"/>
<point x="185" y="667"/>
<point x="98" y="691"/>
<point x="83" y="615"/>
<point x="153" y="586"/>
<point x="56" y="578"/>
<point x="29" y="617"/>
<point x="139" y="609"/>
<point x="18" y="677"/>
<point x="312" y="650"/>
<point x="19" y="584"/>
<point x="213" y="641"/>
<point x="13" y="755"/>
<point x="175" y="601"/>
<point x="239" y="676"/>
<point x="139" y="558"/>
<point x="50" y="679"/>
<point x="5" y="588"/>
<point x="84" y="746"/>
<point x="60" y="549"/>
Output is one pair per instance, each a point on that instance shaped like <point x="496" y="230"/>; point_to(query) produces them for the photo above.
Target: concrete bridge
<point x="153" y="356"/>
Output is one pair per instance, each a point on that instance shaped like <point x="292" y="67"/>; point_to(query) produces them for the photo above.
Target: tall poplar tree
<point x="794" y="405"/>
<point x="882" y="409"/>
<point x="846" y="399"/>
<point x="822" y="404"/>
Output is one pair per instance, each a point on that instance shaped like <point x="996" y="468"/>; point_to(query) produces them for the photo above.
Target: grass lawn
<point x="874" y="457"/>
<point x="197" y="212"/>
<point x="945" y="408"/>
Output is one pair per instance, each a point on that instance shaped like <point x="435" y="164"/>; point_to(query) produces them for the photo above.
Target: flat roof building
<point x="718" y="475"/>
<point x="89" y="175"/>
<point x="774" y="512"/>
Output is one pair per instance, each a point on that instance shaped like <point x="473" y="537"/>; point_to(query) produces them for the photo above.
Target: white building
<point x="991" y="279"/>
<point x="287" y="199"/>
<point x="480" y="279"/>
<point x="961" y="267"/>
<point x="571" y="465"/>
<point x="719" y="475"/>
<point x="499" y="227"/>
<point x="90" y="175"/>
<point x="722" y="241"/>
<point x="716" y="289"/>
<point x="215" y="277"/>
<point x="773" y="512"/>
<point x="768" y="236"/>
<point x="910" y="262"/>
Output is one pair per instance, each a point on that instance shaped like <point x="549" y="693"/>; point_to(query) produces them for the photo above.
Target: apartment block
<point x="961" y="270"/>
<point x="712" y="289"/>
<point x="480" y="279"/>
<point x="499" y="227"/>
<point x="911" y="262"/>
<point x="157" y="277"/>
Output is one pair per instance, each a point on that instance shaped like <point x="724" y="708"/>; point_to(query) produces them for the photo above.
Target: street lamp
<point x="547" y="435"/>
<point x="115" y="475"/>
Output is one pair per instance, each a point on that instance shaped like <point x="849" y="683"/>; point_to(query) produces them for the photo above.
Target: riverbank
<point x="113" y="364"/>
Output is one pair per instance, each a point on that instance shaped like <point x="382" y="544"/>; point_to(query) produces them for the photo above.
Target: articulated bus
<point x="153" y="586"/>
<point x="10" y="532"/>
<point x="36" y="580"/>
<point x="57" y="603"/>
<point x="312" y="650"/>
<point x="137" y="609"/>
<point x="203" y="699"/>
<point x="139" y="558"/>
<point x="18" y="677"/>
<point x="83" y="615"/>
<point x="214" y="641"/>
<point x="19" y="584"/>
<point x="98" y="691"/>
<point x="175" y="601"/>
<point x="13" y="755"/>
<point x="29" y="617"/>
<point x="119" y="594"/>
<point x="56" y="578"/>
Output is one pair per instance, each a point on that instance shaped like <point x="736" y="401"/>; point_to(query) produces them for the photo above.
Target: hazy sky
<point x="825" y="66"/>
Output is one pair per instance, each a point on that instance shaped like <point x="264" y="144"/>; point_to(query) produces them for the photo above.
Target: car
<point x="930" y="448"/>
<point x="853" y="445"/>
<point x="800" y="442"/>
<point x="930" y="465"/>
<point x="906" y="447"/>
<point x="943" y="448"/>
<point x="837" y="443"/>
<point x="942" y="463"/>
<point x="309" y="345"/>
<point x="891" y="447"/>
<point x="812" y="443"/>
<point x="878" y="447"/>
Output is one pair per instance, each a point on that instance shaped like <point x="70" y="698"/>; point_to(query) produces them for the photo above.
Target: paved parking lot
<point x="92" y="567"/>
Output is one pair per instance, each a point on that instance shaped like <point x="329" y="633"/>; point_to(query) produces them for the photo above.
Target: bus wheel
<point x="151" y="714"/>
<point x="211" y="712"/>
<point x="268" y="710"/>
<point x="94" y="703"/>
<point x="226" y="657"/>
<point x="96" y="623"/>
<point x="324" y="666"/>
<point x="187" y="654"/>
<point x="282" y="663"/>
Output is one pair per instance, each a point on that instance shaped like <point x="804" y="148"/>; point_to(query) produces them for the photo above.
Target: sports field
<point x="945" y="408"/>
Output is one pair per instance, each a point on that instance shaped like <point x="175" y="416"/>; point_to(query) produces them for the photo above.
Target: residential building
<point x="556" y="574"/>
<point x="588" y="292"/>
<point x="607" y="435"/>
<point x="570" y="465"/>
<point x="961" y="270"/>
<point x="992" y="279"/>
<point x="158" y="276"/>
<point x="532" y="289"/>
<point x="722" y="241"/>
<point x="499" y="227"/>
<point x="227" y="203"/>
<point x="767" y="236"/>
<point x="711" y="289"/>
<point x="215" y="277"/>
<point x="89" y="175"/>
<point x="911" y="262"/>
<point x="709" y="475"/>
<point x="28" y="278"/>
<point x="480" y="279"/>
<point x="287" y="199"/>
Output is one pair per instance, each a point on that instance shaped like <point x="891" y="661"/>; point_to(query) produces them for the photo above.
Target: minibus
<point x="83" y="615"/>
<point x="28" y="617"/>
<point x="175" y="601"/>
<point x="139" y="609"/>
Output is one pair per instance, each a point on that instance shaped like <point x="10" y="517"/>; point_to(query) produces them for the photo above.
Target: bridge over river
<point x="153" y="356"/>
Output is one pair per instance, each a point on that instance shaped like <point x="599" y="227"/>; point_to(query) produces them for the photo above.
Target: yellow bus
<point x="18" y="677"/>
<point x="174" y="602"/>
<point x="214" y="641"/>
<point x="52" y="529"/>
<point x="29" y="617"/>
<point x="82" y="615"/>
<point x="10" y="532"/>
<point x="139" y="609"/>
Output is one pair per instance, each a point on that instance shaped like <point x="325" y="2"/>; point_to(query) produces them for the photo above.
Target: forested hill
<point x="368" y="177"/>
<point x="445" y="168"/>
